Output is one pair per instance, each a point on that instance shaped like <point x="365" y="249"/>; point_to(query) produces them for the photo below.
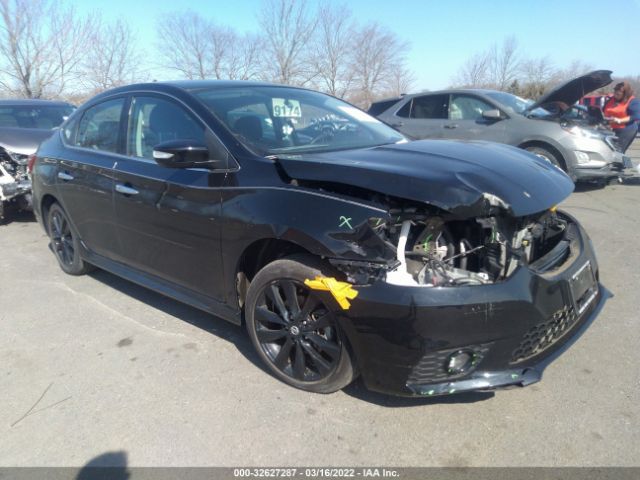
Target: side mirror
<point x="493" y="114"/>
<point x="183" y="154"/>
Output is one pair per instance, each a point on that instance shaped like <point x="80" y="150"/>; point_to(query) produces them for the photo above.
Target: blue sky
<point x="442" y="34"/>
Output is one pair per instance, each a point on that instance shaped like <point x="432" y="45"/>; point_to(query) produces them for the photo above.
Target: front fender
<point x="324" y="224"/>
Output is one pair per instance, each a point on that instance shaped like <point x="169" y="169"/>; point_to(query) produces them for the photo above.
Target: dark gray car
<point x="549" y="127"/>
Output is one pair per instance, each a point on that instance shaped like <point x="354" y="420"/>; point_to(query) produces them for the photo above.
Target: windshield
<point x="280" y="120"/>
<point x="517" y="104"/>
<point x="26" y="116"/>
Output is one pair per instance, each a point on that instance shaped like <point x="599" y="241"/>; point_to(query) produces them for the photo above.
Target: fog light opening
<point x="582" y="157"/>
<point x="461" y="361"/>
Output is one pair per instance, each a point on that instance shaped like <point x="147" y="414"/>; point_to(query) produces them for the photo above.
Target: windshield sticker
<point x="358" y="114"/>
<point x="286" y="108"/>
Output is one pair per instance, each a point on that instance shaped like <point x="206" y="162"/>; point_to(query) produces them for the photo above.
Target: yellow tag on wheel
<point x="341" y="291"/>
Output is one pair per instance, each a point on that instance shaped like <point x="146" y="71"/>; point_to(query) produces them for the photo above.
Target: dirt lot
<point x="95" y="364"/>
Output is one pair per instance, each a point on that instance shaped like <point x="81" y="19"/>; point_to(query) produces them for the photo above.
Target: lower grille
<point x="545" y="334"/>
<point x="432" y="367"/>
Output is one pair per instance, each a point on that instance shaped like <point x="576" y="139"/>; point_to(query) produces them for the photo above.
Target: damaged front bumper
<point x="404" y="336"/>
<point x="603" y="171"/>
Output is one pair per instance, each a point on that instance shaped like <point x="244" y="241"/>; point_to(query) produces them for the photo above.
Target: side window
<point x="69" y="130"/>
<point x="252" y="121"/>
<point x="98" y="129"/>
<point x="155" y="120"/>
<point x="466" y="107"/>
<point x="405" y="111"/>
<point x="431" y="107"/>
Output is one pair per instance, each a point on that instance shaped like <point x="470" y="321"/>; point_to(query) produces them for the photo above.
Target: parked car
<point x="427" y="267"/>
<point x="23" y="125"/>
<point x="597" y="101"/>
<point x="578" y="146"/>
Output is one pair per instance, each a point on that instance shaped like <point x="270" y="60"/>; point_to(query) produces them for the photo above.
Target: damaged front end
<point x="470" y="304"/>
<point x="437" y="249"/>
<point x="15" y="184"/>
<point x="468" y="278"/>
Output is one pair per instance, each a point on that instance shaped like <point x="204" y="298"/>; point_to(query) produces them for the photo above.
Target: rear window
<point x="431" y="107"/>
<point x="378" y="107"/>
<point x="98" y="129"/>
<point x="42" y="117"/>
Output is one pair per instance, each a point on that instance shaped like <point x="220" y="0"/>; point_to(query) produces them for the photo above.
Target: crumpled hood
<point x="573" y="90"/>
<point x="23" y="140"/>
<point x="465" y="178"/>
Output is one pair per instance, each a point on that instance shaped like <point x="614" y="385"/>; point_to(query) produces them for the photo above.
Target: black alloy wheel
<point x="64" y="242"/>
<point x="62" y="238"/>
<point x="296" y="331"/>
<point x="293" y="331"/>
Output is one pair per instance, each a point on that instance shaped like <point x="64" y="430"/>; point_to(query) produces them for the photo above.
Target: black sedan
<point x="428" y="267"/>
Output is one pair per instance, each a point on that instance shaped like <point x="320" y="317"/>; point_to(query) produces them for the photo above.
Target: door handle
<point x="65" y="176"/>
<point x="125" y="190"/>
<point x="398" y="124"/>
<point x="451" y="126"/>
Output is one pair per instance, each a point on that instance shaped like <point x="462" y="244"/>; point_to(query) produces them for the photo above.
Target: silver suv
<point x="572" y="137"/>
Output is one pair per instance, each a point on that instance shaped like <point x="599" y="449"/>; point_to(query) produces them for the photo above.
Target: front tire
<point x="64" y="242"/>
<point x="548" y="155"/>
<point x="293" y="331"/>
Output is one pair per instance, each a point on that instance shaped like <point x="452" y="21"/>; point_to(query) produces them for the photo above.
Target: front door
<point x="168" y="219"/>
<point x="467" y="123"/>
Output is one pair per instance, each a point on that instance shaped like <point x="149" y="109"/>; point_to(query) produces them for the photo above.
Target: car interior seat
<point x="250" y="127"/>
<point x="105" y="138"/>
<point x="167" y="122"/>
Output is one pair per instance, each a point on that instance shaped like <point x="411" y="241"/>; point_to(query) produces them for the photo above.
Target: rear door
<point x="467" y="123"/>
<point x="168" y="219"/>
<point x="423" y="116"/>
<point x="85" y="174"/>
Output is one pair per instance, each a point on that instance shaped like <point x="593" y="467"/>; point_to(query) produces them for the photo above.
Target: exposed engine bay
<point x="15" y="184"/>
<point x="433" y="250"/>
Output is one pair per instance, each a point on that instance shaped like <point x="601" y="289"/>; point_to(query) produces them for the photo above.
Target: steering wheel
<point x="327" y="131"/>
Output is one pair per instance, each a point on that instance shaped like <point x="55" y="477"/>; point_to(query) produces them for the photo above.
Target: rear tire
<point x="65" y="243"/>
<point x="294" y="332"/>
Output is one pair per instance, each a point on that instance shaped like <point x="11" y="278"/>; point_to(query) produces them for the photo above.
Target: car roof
<point x="25" y="102"/>
<point x="482" y="91"/>
<point x="211" y="84"/>
<point x="185" y="86"/>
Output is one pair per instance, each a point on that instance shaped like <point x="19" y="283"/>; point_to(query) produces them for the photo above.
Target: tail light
<point x="31" y="163"/>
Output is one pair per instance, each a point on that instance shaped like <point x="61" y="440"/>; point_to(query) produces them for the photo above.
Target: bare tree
<point x="116" y="61"/>
<point x="288" y="29"/>
<point x="223" y="41"/>
<point x="574" y="69"/>
<point x="42" y="46"/>
<point x="400" y="81"/>
<point x="536" y="76"/>
<point x="330" y="55"/>
<point x="185" y="44"/>
<point x="377" y="55"/>
<point x="504" y="63"/>
<point x="498" y="67"/>
<point x="198" y="48"/>
<point x="474" y="73"/>
<point x="243" y="62"/>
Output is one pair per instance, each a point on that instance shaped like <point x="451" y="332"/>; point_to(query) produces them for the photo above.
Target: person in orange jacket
<point x="623" y="113"/>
